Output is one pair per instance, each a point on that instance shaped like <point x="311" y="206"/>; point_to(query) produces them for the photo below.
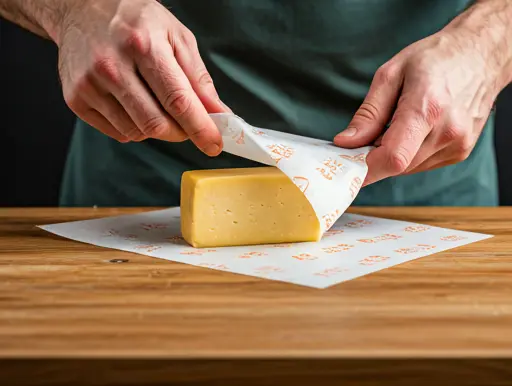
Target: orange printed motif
<point x="214" y="266"/>
<point x="111" y="233"/>
<point x="150" y="227"/>
<point x="359" y="158"/>
<point x="281" y="245"/>
<point x="196" y="252"/>
<point x="278" y="152"/>
<point x="258" y="132"/>
<point x="248" y="255"/>
<point x="417" y="248"/>
<point x="333" y="232"/>
<point x="358" y="224"/>
<point x="305" y="256"/>
<point x="378" y="239"/>
<point x="371" y="260"/>
<point x="453" y="238"/>
<point x="301" y="182"/>
<point x="237" y="135"/>
<point x="331" y="272"/>
<point x="417" y="228"/>
<point x="338" y="248"/>
<point x="175" y="239"/>
<point x="240" y="140"/>
<point x="268" y="269"/>
<point x="148" y="248"/>
<point x="355" y="185"/>
<point x="331" y="168"/>
<point x="330" y="218"/>
<point x="115" y="233"/>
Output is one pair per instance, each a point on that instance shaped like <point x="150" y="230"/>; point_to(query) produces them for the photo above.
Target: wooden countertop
<point x="64" y="299"/>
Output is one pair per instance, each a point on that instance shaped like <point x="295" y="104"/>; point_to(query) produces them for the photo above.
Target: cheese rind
<point x="248" y="206"/>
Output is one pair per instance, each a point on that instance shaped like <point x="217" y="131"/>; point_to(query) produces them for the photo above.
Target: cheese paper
<point x="330" y="177"/>
<point x="354" y="246"/>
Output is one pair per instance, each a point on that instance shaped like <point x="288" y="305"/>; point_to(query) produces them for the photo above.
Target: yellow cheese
<point x="228" y="207"/>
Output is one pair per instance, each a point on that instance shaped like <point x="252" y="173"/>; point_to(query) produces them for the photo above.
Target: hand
<point x="438" y="94"/>
<point x="132" y="70"/>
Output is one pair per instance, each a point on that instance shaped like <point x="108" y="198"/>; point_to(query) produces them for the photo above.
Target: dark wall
<point x="503" y="142"/>
<point x="36" y="125"/>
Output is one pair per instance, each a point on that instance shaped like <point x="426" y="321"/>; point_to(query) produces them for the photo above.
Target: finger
<point x="94" y="118"/>
<point x="99" y="122"/>
<point x="111" y="109"/>
<point x="376" y="109"/>
<point x="98" y="98"/>
<point x="456" y="140"/>
<point x="430" y="164"/>
<point x="431" y="146"/>
<point x="172" y="88"/>
<point x="447" y="156"/>
<point x="399" y="145"/>
<point x="144" y="109"/>
<point x="193" y="66"/>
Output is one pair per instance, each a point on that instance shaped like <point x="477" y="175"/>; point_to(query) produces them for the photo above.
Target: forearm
<point x="39" y="16"/>
<point x="490" y="22"/>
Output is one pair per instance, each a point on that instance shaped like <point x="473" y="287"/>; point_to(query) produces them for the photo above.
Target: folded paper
<point x="330" y="177"/>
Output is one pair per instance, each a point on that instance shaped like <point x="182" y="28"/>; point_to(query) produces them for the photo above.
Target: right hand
<point x="130" y="69"/>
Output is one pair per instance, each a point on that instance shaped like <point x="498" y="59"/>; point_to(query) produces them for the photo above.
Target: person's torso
<point x="300" y="66"/>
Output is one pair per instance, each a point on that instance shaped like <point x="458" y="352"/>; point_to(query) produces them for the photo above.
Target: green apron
<point x="299" y="66"/>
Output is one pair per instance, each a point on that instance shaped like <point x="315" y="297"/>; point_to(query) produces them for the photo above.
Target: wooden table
<point x="70" y="316"/>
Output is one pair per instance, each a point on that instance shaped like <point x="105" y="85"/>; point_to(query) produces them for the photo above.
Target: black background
<point x="36" y="125"/>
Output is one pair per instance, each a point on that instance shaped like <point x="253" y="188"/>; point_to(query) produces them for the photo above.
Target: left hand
<point x="438" y="94"/>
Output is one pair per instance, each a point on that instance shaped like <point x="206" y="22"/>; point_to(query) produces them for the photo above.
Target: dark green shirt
<point x="299" y="66"/>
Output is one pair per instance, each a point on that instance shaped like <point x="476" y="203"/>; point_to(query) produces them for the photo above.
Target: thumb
<point x="376" y="110"/>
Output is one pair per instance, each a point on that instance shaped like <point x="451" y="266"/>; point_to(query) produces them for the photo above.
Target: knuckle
<point x="433" y="110"/>
<point x="204" y="78"/>
<point x="188" y="38"/>
<point x="463" y="149"/>
<point x="422" y="63"/>
<point x="132" y="133"/>
<point x="154" y="127"/>
<point x="138" y="42"/>
<point x="388" y="72"/>
<point x="196" y="133"/>
<point x="368" y="111"/>
<point x="178" y="103"/>
<point x="398" y="161"/>
<point x="106" y="67"/>
<point x="452" y="133"/>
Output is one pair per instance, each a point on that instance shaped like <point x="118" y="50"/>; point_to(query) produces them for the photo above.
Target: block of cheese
<point x="247" y="206"/>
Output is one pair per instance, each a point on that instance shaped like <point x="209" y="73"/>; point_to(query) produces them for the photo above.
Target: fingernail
<point x="348" y="132"/>
<point x="212" y="150"/>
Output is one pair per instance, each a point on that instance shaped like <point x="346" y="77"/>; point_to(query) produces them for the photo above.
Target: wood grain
<point x="64" y="299"/>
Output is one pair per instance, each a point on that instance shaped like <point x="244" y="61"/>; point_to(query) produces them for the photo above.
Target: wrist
<point x="487" y="27"/>
<point x="56" y="15"/>
<point x="53" y="19"/>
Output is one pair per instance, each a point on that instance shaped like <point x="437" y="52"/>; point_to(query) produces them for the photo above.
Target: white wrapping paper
<point x="329" y="177"/>
<point x="354" y="246"/>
